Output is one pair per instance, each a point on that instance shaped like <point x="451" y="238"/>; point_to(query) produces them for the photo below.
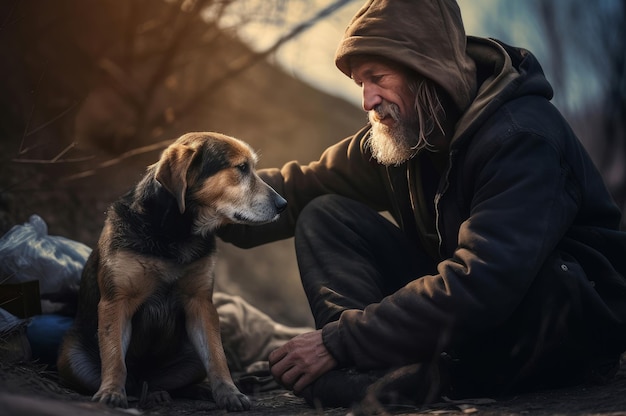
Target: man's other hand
<point x="301" y="361"/>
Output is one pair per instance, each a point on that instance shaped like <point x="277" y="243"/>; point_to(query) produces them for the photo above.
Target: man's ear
<point x="171" y="171"/>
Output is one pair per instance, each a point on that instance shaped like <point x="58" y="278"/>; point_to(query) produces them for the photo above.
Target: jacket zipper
<point x="396" y="208"/>
<point x="443" y="188"/>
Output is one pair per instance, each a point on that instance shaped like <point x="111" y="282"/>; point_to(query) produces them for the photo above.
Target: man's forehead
<point x="362" y="65"/>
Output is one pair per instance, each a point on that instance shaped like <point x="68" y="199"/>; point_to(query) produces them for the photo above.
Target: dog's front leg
<point x="114" y="332"/>
<point x="204" y="332"/>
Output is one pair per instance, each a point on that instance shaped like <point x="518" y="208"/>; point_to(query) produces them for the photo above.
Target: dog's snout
<point x="280" y="203"/>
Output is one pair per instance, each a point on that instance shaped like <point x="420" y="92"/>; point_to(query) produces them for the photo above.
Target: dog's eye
<point x="243" y="167"/>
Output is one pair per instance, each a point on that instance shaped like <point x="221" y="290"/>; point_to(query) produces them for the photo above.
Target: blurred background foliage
<point x="582" y="47"/>
<point x="92" y="90"/>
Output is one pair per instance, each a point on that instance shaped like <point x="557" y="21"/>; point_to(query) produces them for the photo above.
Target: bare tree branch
<point x="248" y="61"/>
<point x="112" y="162"/>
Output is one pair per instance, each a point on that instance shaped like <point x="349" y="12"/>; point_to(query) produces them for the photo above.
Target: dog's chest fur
<point x="159" y="322"/>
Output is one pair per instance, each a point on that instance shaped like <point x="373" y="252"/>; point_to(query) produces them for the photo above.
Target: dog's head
<point x="214" y="175"/>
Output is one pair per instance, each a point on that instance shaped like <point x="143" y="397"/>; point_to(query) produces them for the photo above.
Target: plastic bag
<point x="27" y="252"/>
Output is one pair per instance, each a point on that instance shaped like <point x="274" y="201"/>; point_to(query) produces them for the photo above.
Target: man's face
<point x="390" y="107"/>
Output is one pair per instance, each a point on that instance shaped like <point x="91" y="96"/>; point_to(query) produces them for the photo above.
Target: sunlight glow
<point x="310" y="57"/>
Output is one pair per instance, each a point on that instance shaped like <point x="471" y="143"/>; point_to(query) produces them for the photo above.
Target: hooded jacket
<point x="517" y="195"/>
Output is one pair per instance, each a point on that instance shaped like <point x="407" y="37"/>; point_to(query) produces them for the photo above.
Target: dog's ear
<point x="171" y="171"/>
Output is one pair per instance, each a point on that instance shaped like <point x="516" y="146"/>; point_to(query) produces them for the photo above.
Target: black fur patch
<point x="161" y="230"/>
<point x="216" y="155"/>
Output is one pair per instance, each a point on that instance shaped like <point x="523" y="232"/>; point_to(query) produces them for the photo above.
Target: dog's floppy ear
<point x="171" y="171"/>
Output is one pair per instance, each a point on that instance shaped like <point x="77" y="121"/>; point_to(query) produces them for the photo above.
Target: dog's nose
<point x="280" y="203"/>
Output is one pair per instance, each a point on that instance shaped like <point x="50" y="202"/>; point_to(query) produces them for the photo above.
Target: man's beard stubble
<point x="392" y="146"/>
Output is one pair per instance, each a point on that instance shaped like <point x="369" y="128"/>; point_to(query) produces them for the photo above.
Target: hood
<point x="425" y="35"/>
<point x="504" y="73"/>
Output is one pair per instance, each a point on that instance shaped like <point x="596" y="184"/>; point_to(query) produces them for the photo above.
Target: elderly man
<point x="504" y="263"/>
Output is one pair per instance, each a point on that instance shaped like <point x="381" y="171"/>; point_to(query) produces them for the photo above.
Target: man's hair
<point x="429" y="108"/>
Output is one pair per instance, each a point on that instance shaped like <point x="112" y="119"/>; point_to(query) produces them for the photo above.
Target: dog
<point x="145" y="316"/>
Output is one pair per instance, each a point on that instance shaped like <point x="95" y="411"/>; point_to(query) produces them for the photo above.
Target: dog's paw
<point x="230" y="398"/>
<point x="112" y="397"/>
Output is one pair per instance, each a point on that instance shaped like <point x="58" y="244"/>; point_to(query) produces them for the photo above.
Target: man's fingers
<point x="277" y="355"/>
<point x="302" y="381"/>
<point x="278" y="368"/>
<point x="290" y="377"/>
<point x="300" y="361"/>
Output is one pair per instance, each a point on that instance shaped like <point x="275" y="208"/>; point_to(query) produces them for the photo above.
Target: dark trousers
<point x="350" y="256"/>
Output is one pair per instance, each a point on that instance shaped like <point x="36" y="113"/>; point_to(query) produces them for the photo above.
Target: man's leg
<point x="350" y="256"/>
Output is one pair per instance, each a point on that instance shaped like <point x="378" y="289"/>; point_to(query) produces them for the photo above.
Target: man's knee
<point x="327" y="205"/>
<point x="327" y="211"/>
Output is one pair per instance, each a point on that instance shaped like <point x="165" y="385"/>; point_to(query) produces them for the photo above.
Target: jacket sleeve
<point x="345" y="168"/>
<point x="523" y="200"/>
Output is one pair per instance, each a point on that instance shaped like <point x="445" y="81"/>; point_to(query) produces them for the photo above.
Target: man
<point x="506" y="269"/>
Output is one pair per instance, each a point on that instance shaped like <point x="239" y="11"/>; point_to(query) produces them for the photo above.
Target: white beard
<point x="396" y="144"/>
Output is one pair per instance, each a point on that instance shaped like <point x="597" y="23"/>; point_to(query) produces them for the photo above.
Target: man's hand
<point x="301" y="360"/>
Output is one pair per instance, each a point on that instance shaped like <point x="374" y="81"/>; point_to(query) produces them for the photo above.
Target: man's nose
<point x="370" y="97"/>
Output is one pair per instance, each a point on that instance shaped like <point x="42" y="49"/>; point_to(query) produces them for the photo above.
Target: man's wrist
<point x="331" y="338"/>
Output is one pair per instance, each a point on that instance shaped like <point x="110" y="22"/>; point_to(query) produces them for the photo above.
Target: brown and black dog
<point x="145" y="314"/>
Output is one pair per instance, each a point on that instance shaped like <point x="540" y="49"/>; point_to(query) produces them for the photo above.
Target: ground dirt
<point x="28" y="389"/>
